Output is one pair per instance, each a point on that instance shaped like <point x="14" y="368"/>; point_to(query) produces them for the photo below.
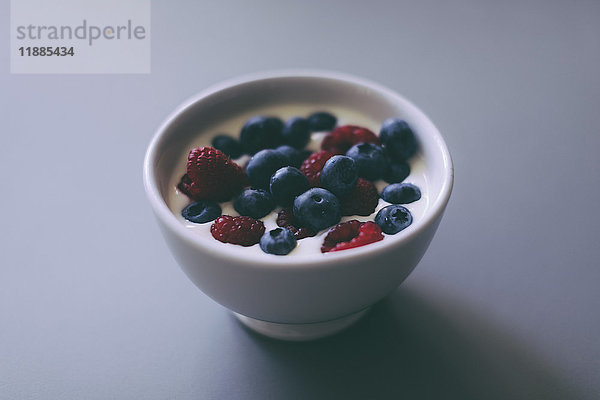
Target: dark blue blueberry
<point x="201" y="211"/>
<point x="255" y="203"/>
<point x="286" y="184"/>
<point x="262" y="165"/>
<point x="401" y="193"/>
<point x="317" y="209"/>
<point x="228" y="145"/>
<point x="392" y="219"/>
<point x="398" y="139"/>
<point x="397" y="172"/>
<point x="261" y="133"/>
<point x="370" y="160"/>
<point x="321" y="121"/>
<point x="294" y="157"/>
<point x="296" y="133"/>
<point x="339" y="175"/>
<point x="279" y="241"/>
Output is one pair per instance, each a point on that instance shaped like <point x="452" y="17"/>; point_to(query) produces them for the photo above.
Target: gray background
<point x="505" y="304"/>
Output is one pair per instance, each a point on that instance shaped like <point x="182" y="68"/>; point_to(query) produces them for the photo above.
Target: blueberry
<point x="279" y="241"/>
<point x="296" y="133"/>
<point x="201" y="211"/>
<point x="392" y="219"/>
<point x="370" y="160"/>
<point x="339" y="175"/>
<point x="228" y="145"/>
<point x="401" y="193"/>
<point x="287" y="183"/>
<point x="262" y="165"/>
<point x="294" y="157"/>
<point x="396" y="172"/>
<point x="261" y="133"/>
<point x="398" y="139"/>
<point x="255" y="203"/>
<point x="321" y="121"/>
<point x="317" y="209"/>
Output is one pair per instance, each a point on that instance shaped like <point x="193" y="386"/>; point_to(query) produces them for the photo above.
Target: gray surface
<point x="504" y="305"/>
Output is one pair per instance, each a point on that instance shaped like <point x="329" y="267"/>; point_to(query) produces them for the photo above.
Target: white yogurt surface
<point x="312" y="245"/>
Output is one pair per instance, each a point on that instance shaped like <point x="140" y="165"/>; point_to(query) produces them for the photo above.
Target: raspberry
<point x="301" y="233"/>
<point x="245" y="231"/>
<point x="351" y="234"/>
<point x="187" y="187"/>
<point x="339" y="140"/>
<point x="286" y="219"/>
<point x="362" y="200"/>
<point x="211" y="175"/>
<point x="312" y="166"/>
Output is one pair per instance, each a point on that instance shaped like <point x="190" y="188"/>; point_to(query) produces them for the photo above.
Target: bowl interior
<point x="200" y="118"/>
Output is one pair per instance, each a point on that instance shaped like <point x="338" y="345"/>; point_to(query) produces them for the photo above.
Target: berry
<point x="396" y="172"/>
<point x="317" y="209"/>
<point x="255" y="203"/>
<point x="300" y="233"/>
<point x="370" y="160"/>
<point x="401" y="193"/>
<point x="394" y="218"/>
<point x="321" y="121"/>
<point x="261" y="133"/>
<point x="211" y="175"/>
<point x="279" y="241"/>
<point x="244" y="231"/>
<point x="294" y="157"/>
<point x="187" y="187"/>
<point x="262" y="165"/>
<point x="286" y="219"/>
<point x="342" y="138"/>
<point x="287" y="183"/>
<point x="312" y="166"/>
<point x="351" y="234"/>
<point x="296" y="133"/>
<point x="201" y="211"/>
<point x="362" y="199"/>
<point x="398" y="139"/>
<point x="228" y="145"/>
<point x="339" y="175"/>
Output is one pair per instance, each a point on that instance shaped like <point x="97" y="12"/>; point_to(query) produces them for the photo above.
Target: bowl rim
<point x="168" y="219"/>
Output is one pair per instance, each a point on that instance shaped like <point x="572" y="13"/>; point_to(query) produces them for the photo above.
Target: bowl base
<point x="301" y="332"/>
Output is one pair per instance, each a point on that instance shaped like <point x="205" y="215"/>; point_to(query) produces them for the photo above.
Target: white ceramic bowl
<point x="311" y="295"/>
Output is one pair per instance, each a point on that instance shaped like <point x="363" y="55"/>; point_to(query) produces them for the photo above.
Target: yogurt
<point x="311" y="245"/>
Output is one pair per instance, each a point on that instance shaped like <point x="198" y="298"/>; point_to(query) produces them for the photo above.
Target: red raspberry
<point x="286" y="219"/>
<point x="211" y="175"/>
<point x="339" y="140"/>
<point x="244" y="231"/>
<point x="312" y="166"/>
<point x="351" y="234"/>
<point x="187" y="187"/>
<point x="300" y="233"/>
<point x="362" y="200"/>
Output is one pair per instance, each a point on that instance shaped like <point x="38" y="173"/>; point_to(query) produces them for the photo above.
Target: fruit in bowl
<point x="270" y="182"/>
<point x="318" y="245"/>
